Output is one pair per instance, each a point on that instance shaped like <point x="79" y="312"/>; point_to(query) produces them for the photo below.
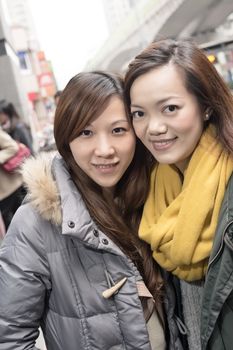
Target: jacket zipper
<point x="221" y="246"/>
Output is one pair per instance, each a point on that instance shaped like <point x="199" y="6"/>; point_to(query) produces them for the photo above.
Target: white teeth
<point x="163" y="142"/>
<point x="105" y="166"/>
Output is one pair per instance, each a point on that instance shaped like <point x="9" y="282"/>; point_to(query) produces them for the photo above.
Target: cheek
<point x="77" y="150"/>
<point x="187" y="126"/>
<point x="192" y="125"/>
<point x="131" y="144"/>
<point x="190" y="135"/>
<point x="128" y="148"/>
<point x="139" y="129"/>
<point x="193" y="128"/>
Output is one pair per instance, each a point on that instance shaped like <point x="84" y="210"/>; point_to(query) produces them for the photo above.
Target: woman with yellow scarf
<point x="182" y="111"/>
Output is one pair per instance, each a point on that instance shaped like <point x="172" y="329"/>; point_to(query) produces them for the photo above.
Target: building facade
<point x="142" y="22"/>
<point x="10" y="76"/>
<point x="28" y="80"/>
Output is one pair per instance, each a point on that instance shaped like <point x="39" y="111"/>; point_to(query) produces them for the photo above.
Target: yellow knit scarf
<point x="179" y="219"/>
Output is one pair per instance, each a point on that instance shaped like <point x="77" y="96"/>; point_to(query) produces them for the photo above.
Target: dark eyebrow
<point x="116" y="122"/>
<point x="120" y="121"/>
<point x="166" y="99"/>
<point x="135" y="106"/>
<point x="159" y="102"/>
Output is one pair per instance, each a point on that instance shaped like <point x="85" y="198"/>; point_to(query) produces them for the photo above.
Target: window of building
<point x="24" y="61"/>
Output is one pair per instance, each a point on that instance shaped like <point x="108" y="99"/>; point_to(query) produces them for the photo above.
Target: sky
<point x="69" y="32"/>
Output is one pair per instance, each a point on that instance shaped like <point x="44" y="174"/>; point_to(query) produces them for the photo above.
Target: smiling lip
<point x="160" y="145"/>
<point x="106" y="168"/>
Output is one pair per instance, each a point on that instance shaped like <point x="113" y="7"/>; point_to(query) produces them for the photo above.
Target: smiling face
<point x="166" y="116"/>
<point x="105" y="148"/>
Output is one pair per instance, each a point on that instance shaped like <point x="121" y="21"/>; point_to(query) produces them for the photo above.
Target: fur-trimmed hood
<point x="43" y="192"/>
<point x="53" y="194"/>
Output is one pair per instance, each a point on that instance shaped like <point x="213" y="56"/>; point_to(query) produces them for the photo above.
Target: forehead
<point x="162" y="82"/>
<point x="113" y="111"/>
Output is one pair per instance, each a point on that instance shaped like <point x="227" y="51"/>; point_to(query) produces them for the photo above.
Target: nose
<point x="104" y="147"/>
<point x="157" y="126"/>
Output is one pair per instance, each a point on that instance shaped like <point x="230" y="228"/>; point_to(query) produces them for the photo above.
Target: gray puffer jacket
<point x="54" y="266"/>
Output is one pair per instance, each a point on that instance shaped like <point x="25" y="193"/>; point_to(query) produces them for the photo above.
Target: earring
<point x="207" y="117"/>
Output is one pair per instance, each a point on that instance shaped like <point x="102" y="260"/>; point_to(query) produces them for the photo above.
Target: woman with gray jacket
<point x="71" y="261"/>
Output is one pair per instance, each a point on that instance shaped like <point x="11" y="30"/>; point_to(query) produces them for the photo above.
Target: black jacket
<point x="217" y="304"/>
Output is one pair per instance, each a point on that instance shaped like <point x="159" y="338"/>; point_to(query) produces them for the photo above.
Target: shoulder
<point x="20" y="126"/>
<point x="8" y="146"/>
<point x="226" y="212"/>
<point x="6" y="139"/>
<point x="27" y="226"/>
<point x="25" y="245"/>
<point x="229" y="189"/>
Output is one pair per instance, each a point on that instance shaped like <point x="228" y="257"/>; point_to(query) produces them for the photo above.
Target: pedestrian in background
<point x="182" y="111"/>
<point x="10" y="122"/>
<point x="12" y="191"/>
<point x="71" y="261"/>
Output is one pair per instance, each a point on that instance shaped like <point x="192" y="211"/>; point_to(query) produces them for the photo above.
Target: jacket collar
<point x="75" y="216"/>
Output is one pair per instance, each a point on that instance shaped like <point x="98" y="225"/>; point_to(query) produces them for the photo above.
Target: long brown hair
<point x="201" y="79"/>
<point x="84" y="98"/>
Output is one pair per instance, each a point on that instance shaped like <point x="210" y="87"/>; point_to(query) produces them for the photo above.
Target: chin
<point x="165" y="161"/>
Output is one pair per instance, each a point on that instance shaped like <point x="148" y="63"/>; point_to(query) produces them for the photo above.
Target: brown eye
<point x="118" y="130"/>
<point x="170" y="108"/>
<point x="137" y="114"/>
<point x="85" y="133"/>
